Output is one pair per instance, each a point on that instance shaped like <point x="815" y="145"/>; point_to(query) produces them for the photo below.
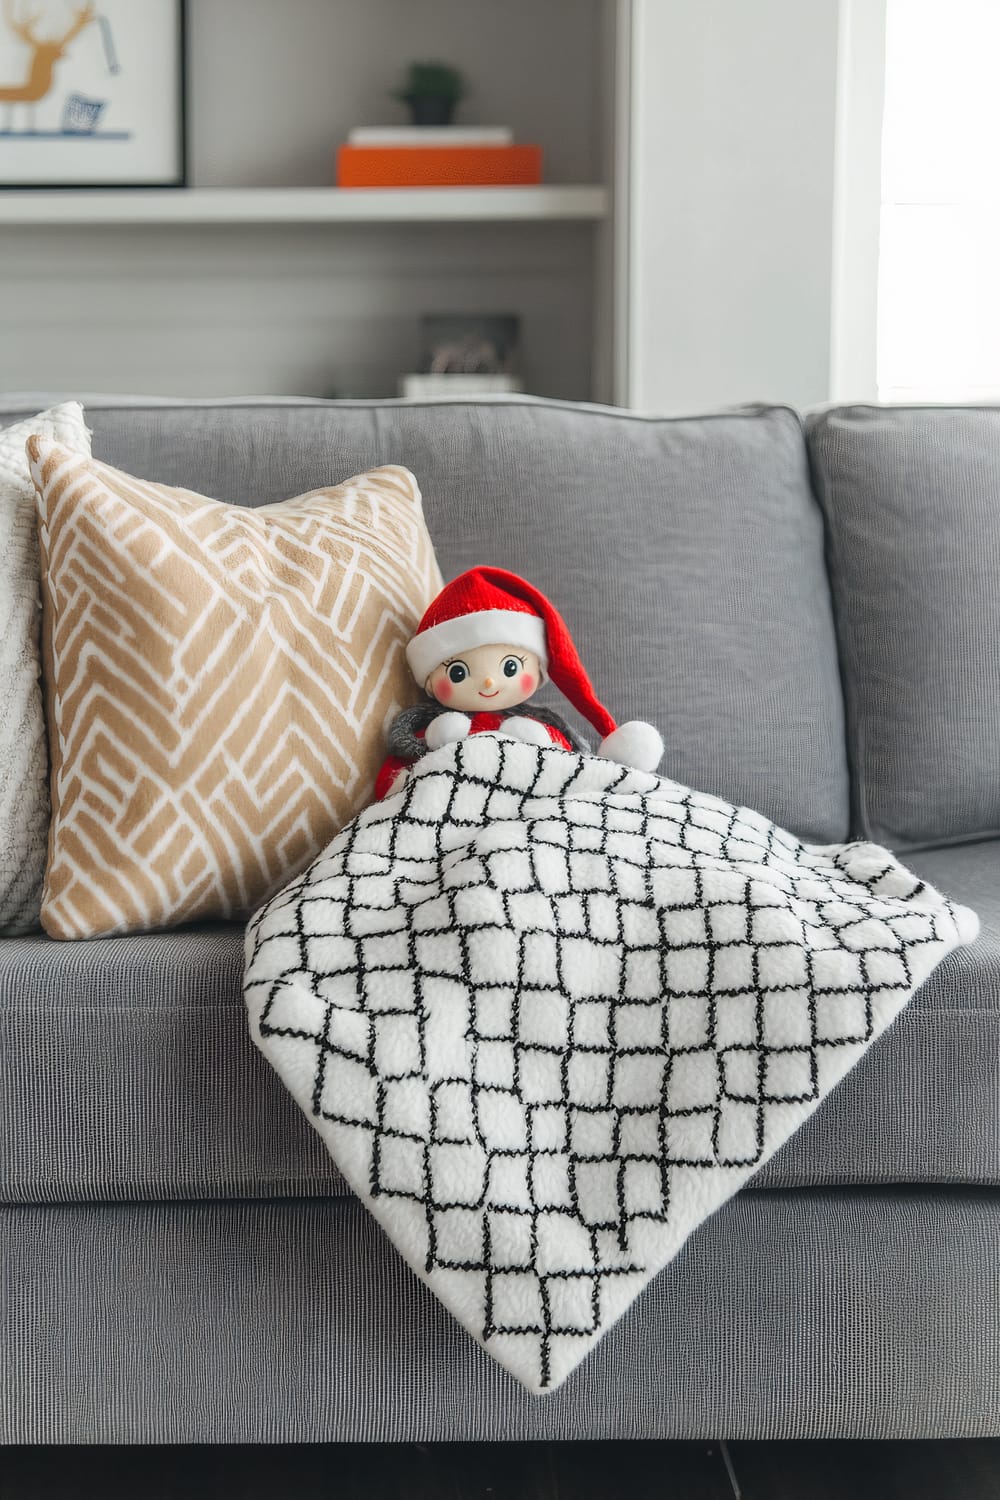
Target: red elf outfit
<point x="491" y="607"/>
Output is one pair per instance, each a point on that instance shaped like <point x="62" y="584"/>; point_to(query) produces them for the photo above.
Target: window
<point x="939" y="236"/>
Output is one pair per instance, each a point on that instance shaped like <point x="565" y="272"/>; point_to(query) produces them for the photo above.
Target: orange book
<point x="438" y="166"/>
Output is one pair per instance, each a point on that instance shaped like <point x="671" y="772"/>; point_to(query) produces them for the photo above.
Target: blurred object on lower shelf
<point x="469" y="343"/>
<point x="438" y="166"/>
<point x="426" y="387"/>
<point x="465" y="354"/>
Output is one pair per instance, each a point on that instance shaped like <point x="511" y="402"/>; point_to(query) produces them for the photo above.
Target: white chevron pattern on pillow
<point x="24" y="791"/>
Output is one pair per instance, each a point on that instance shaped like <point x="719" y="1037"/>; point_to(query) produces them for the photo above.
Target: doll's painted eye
<point x="511" y="666"/>
<point x="458" y="671"/>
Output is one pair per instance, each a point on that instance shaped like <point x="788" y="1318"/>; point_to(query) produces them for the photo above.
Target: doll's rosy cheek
<point x="528" y="683"/>
<point x="443" y="689"/>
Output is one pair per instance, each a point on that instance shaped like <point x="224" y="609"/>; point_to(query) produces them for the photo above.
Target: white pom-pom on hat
<point x="633" y="744"/>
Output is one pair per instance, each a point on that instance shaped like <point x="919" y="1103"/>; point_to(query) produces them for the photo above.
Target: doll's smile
<point x="502" y="675"/>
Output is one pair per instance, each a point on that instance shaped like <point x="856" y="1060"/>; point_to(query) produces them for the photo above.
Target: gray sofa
<point x="810" y="616"/>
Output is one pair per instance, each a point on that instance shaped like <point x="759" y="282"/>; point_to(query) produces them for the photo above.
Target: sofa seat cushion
<point x="923" y="1105"/>
<point x="127" y="1073"/>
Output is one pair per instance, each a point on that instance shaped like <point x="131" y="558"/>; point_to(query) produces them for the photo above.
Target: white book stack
<point x="431" y="135"/>
<point x="431" y="387"/>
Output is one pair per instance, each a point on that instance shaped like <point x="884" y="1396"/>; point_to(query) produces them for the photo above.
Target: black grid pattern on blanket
<point x="535" y="1007"/>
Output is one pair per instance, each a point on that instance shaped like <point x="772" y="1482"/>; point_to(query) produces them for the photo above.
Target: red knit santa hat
<point x="491" y="607"/>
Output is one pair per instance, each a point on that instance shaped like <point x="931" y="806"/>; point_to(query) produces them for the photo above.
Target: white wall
<point x="732" y="118"/>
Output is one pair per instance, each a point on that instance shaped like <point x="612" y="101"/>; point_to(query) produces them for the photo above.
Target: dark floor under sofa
<point x="809" y="614"/>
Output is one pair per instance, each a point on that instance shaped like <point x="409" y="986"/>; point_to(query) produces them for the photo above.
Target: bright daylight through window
<point x="939" y="292"/>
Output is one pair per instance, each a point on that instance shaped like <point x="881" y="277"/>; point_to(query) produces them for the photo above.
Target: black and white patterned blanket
<point x="549" y="1013"/>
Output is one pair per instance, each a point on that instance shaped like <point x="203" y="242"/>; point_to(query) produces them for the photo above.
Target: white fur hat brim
<point x="484" y="627"/>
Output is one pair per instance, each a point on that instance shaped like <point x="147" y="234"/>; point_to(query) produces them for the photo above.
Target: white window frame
<point x="857" y="206"/>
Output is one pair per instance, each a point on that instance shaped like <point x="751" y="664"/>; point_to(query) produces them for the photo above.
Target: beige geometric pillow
<point x="218" y="683"/>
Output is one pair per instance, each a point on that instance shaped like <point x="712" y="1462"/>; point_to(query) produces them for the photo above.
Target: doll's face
<point x="485" y="679"/>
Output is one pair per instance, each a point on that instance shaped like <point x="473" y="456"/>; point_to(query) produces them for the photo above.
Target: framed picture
<point x="92" y="93"/>
<point x="469" y="343"/>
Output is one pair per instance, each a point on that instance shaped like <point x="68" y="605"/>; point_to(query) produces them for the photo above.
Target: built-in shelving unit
<point x="261" y="276"/>
<point x="304" y="205"/>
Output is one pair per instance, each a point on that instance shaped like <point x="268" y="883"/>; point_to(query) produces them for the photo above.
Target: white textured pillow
<point x="24" y="792"/>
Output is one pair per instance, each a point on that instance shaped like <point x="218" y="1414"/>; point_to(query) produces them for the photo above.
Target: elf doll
<point x="482" y="649"/>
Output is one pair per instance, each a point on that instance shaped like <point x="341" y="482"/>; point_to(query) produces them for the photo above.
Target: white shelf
<point x="300" y="205"/>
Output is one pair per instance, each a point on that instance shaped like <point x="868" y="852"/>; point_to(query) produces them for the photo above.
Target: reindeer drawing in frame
<point x="46" y="52"/>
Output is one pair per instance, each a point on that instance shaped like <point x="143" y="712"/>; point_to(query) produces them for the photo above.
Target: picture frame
<point x="470" y="343"/>
<point x="93" y="94"/>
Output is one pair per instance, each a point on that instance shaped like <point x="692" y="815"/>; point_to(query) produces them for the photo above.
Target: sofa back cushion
<point x="912" y="500"/>
<point x="686" y="555"/>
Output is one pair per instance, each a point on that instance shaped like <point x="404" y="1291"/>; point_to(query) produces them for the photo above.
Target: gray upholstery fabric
<point x="912" y="499"/>
<point x="866" y="1314"/>
<point x="128" y="1073"/>
<point x="686" y="554"/>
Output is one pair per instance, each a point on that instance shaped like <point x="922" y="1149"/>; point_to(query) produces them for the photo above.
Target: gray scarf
<point x="404" y="743"/>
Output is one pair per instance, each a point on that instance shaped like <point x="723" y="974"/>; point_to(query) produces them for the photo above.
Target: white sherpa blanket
<point x="549" y="1013"/>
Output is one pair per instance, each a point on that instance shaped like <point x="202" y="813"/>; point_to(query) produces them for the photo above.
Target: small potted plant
<point x="432" y="90"/>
